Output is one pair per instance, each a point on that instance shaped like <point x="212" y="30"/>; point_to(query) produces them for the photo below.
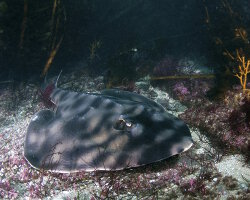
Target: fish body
<point x="111" y="130"/>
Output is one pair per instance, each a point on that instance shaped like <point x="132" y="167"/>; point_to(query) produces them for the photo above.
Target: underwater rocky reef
<point x="190" y="57"/>
<point x="214" y="168"/>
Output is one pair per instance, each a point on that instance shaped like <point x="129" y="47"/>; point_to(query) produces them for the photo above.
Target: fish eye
<point x="128" y="124"/>
<point x="123" y="125"/>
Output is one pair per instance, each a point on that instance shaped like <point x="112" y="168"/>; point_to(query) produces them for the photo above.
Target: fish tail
<point x="46" y="90"/>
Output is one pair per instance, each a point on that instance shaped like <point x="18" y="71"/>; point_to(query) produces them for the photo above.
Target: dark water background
<point x="128" y="35"/>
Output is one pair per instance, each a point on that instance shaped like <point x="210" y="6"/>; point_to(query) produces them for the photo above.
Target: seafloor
<point x="203" y="172"/>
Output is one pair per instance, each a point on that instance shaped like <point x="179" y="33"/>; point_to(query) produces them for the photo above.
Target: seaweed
<point x="228" y="33"/>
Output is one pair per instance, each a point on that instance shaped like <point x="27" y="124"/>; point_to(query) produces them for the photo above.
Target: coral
<point x="180" y="90"/>
<point x="226" y="123"/>
<point x="243" y="70"/>
<point x="194" y="187"/>
<point x="188" y="92"/>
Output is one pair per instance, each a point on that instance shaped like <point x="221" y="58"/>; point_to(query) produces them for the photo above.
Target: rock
<point x="142" y="85"/>
<point x="233" y="165"/>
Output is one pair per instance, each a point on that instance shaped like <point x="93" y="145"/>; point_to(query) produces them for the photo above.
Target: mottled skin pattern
<point x="112" y="130"/>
